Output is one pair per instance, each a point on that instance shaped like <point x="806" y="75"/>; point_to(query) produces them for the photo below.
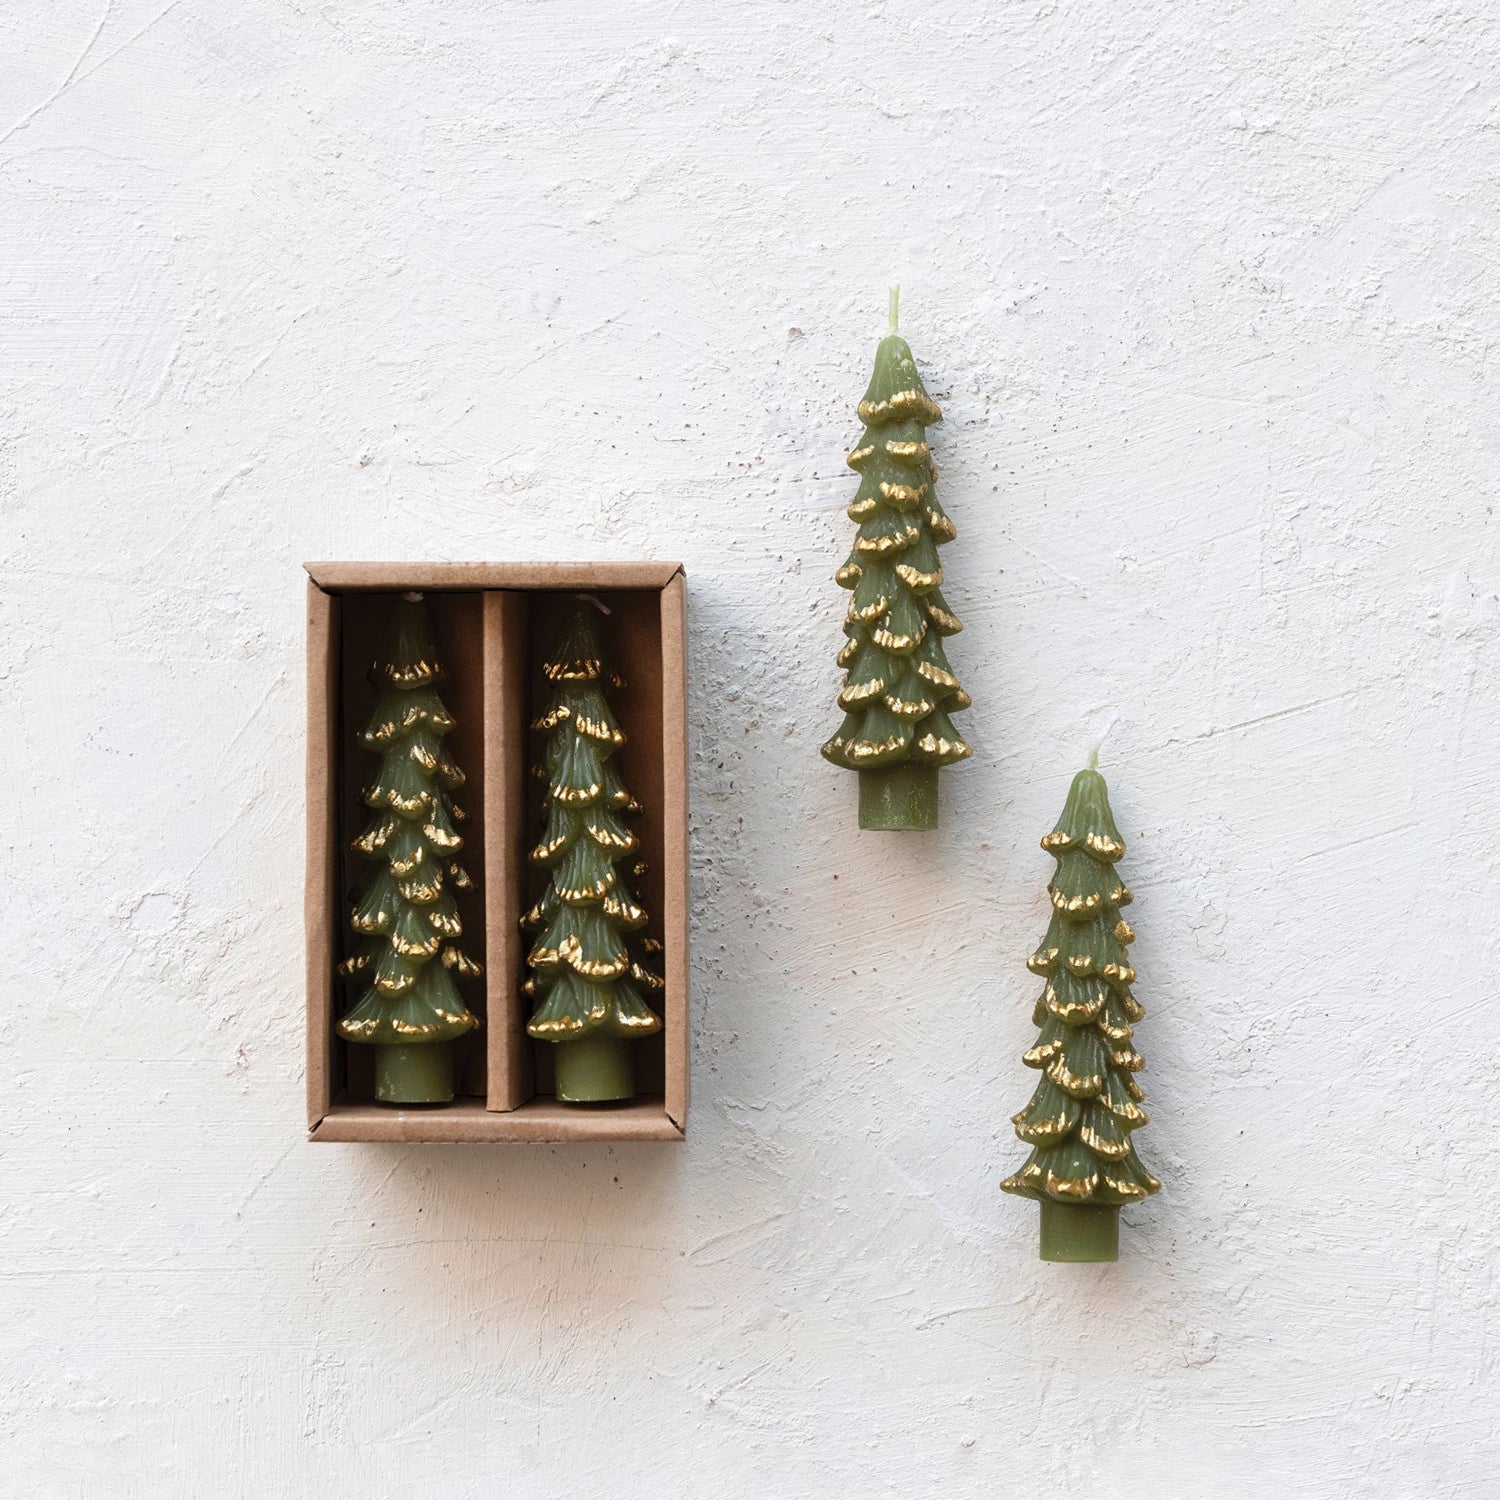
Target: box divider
<point x="510" y="1081"/>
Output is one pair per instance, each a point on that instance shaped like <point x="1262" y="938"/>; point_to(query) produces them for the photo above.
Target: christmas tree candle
<point x="1080" y="1121"/>
<point x="899" y="687"/>
<point x="589" y="960"/>
<point x="404" y="967"/>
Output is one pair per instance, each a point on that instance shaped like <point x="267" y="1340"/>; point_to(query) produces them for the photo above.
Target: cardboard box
<point x="490" y="619"/>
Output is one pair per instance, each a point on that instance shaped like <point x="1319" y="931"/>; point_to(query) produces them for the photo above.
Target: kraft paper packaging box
<point x="491" y="622"/>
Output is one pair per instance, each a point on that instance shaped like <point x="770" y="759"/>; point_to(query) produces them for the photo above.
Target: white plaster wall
<point x="1208" y="291"/>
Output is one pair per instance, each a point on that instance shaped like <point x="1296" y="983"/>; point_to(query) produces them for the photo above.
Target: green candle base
<point x="595" y="1070"/>
<point x="418" y="1074"/>
<point x="1079" y="1231"/>
<point x="899" y="798"/>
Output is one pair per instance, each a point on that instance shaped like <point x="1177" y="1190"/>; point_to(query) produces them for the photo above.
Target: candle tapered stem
<point x="1079" y="1232"/>
<point x="901" y="797"/>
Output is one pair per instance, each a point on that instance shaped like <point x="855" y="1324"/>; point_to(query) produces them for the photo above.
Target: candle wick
<point x="895" y="308"/>
<point x="1114" y="719"/>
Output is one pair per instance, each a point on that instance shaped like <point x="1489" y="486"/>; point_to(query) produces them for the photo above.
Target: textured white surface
<point x="1208" y="294"/>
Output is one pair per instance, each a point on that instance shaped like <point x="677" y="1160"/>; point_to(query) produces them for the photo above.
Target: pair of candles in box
<point x="591" y="965"/>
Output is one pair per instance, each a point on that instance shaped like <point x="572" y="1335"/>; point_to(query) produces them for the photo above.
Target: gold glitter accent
<point x="1128" y="1060"/>
<point x="861" y="510"/>
<point x="1043" y="1132"/>
<point x="847" y="652"/>
<point x="931" y="744"/>
<point x="1082" y="1010"/>
<point x="870" y="611"/>
<point x="413" y="675"/>
<point x="918" y="580"/>
<point x="1040" y="1055"/>
<point x="1043" y="961"/>
<point x="1081" y="1088"/>
<point x="888" y="543"/>
<point x="408" y="949"/>
<point x="951" y="623"/>
<point x="607" y="839"/>
<point x="848" y="575"/>
<point x="1121" y="896"/>
<point x="1102" y="1145"/>
<point x="552" y="717"/>
<point x="907" y="452"/>
<point x="1124" y="933"/>
<point x="420" y="891"/>
<point x="900" y="644"/>
<point x="583" y="670"/>
<point x="461" y="964"/>
<point x="597" y="729"/>
<point x="943" y="530"/>
<point x="867" y="749"/>
<point x="1126" y="1189"/>
<point x="1104" y="847"/>
<point x="647" y="1022"/>
<point x="902" y="496"/>
<point x="1118" y="974"/>
<point x="908" y="403"/>
<point x="575" y="894"/>
<point x="374" y="839"/>
<point x="1074" y="905"/>
<point x="904" y="709"/>
<point x="376" y="796"/>
<point x="1072" y="1187"/>
<point x="936" y="675"/>
<point x="1057" y="839"/>
<point x="572" y="794"/>
<point x="1080" y="964"/>
<point x="622" y="909"/>
<point x="570" y="952"/>
<point x="853" y="696"/>
<point x="859" y="455"/>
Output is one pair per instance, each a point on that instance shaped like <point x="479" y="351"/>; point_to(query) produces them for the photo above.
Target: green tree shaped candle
<point x="899" y="687"/>
<point x="1083" y="1164"/>
<point x="587" y="971"/>
<point x="409" y="1008"/>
